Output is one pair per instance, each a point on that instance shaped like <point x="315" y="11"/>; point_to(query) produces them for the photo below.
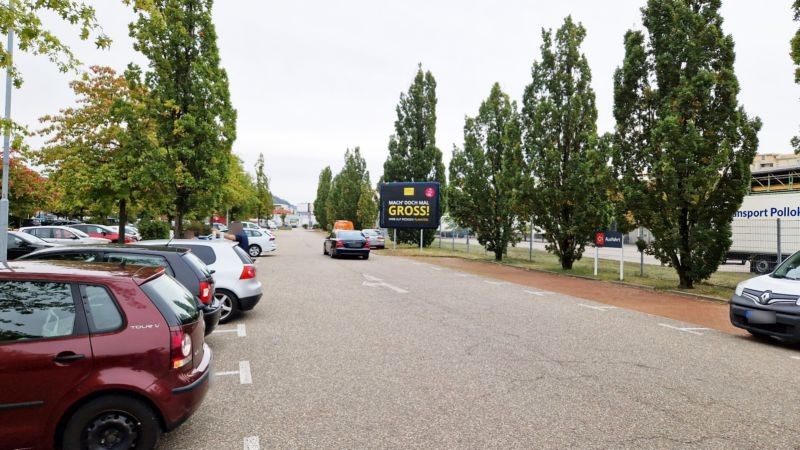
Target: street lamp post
<point x="6" y="152"/>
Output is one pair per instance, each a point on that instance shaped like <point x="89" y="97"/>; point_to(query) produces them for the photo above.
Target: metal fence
<point x="758" y="245"/>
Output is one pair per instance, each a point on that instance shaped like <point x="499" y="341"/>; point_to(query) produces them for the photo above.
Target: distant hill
<point x="276" y="200"/>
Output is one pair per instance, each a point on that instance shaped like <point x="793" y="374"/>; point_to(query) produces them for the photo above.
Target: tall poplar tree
<point x="263" y="194"/>
<point x="367" y="213"/>
<point x="486" y="176"/>
<point x="683" y="144"/>
<point x="568" y="175"/>
<point x="189" y="89"/>
<point x="413" y="155"/>
<point x="323" y="190"/>
<point x="343" y="201"/>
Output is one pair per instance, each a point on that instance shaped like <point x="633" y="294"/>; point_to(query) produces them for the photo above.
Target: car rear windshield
<point x="197" y="265"/>
<point x="351" y="235"/>
<point x="242" y="255"/>
<point x="176" y="304"/>
<point x="204" y="252"/>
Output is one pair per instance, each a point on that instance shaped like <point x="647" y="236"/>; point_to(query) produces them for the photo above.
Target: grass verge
<point x="720" y="286"/>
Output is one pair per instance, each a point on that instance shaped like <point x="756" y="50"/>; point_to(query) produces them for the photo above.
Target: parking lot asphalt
<point x="396" y="353"/>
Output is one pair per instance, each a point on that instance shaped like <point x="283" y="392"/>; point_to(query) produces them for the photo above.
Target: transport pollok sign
<point x="410" y="205"/>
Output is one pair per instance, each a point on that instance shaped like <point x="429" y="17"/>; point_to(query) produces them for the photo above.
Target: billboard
<point x="410" y="205"/>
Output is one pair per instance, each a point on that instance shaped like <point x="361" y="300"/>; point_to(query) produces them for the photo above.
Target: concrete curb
<point x="582" y="277"/>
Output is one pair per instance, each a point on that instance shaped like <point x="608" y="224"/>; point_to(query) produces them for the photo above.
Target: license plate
<point x="760" y="317"/>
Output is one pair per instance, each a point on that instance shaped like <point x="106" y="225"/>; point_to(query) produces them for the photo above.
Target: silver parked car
<point x="63" y="235"/>
<point x="237" y="287"/>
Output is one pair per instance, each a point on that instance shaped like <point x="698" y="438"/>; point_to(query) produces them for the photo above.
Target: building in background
<point x="773" y="172"/>
<point x="305" y="212"/>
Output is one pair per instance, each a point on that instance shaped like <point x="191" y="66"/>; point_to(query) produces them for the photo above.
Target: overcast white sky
<point x="312" y="78"/>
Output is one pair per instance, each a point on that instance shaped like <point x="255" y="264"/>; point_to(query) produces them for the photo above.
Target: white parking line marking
<point x="222" y="374"/>
<point x="240" y="330"/>
<point x="244" y="373"/>
<point x="796" y="357"/>
<point x="598" y="308"/>
<point x="252" y="443"/>
<point x="436" y="268"/>
<point x="464" y="275"/>
<point x="692" y="330"/>
<point x="494" y="283"/>
<point x="538" y="293"/>
<point x="377" y="282"/>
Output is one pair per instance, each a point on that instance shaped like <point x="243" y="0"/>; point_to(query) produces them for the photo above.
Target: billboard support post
<point x="420" y="239"/>
<point x="394" y="240"/>
<point x="530" y="244"/>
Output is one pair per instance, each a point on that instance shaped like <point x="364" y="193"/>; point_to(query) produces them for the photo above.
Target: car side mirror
<point x="105" y="233"/>
<point x="212" y="271"/>
<point x="75" y="237"/>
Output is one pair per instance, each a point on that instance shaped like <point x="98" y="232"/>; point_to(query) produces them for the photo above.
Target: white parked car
<point x="261" y="241"/>
<point x="769" y="305"/>
<point x="236" y="284"/>
<point x="63" y="235"/>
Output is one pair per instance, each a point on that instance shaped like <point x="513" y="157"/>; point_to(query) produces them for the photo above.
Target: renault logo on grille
<point x="764" y="298"/>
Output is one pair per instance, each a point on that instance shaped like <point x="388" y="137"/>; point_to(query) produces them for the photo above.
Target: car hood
<point x="777" y="285"/>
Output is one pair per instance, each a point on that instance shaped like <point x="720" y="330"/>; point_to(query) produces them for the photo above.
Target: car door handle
<point x="68" y="357"/>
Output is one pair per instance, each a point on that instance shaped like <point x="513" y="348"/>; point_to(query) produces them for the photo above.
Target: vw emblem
<point x="764" y="299"/>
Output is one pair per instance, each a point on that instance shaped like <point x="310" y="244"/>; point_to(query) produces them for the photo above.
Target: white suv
<point x="237" y="287"/>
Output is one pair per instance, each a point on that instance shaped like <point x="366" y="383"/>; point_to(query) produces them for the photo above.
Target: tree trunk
<point x="180" y="210"/>
<point x="498" y="253"/>
<point x="566" y="263"/>
<point x="685" y="281"/>
<point x="123" y="219"/>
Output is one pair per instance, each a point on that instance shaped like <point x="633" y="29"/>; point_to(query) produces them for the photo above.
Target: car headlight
<point x="740" y="289"/>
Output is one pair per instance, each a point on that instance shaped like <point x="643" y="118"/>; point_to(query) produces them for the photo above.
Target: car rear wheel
<point x="324" y="251"/>
<point x="112" y="422"/>
<point x="230" y="305"/>
<point x="366" y="256"/>
<point x="254" y="250"/>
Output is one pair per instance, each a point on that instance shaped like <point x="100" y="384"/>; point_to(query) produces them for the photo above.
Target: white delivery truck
<point x="755" y="230"/>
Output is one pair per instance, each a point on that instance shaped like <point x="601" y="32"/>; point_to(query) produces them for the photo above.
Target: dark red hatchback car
<point x="96" y="355"/>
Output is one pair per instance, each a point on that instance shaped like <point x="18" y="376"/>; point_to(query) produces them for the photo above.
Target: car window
<point x="350" y="235"/>
<point x="86" y="256"/>
<point x="255" y="233"/>
<point x="242" y="255"/>
<point x="139" y="260"/>
<point x="101" y="310"/>
<point x="14" y="242"/>
<point x="43" y="233"/>
<point x="175" y="302"/>
<point x="196" y="264"/>
<point x="63" y="234"/>
<point x="35" y="310"/>
<point x="27" y="237"/>
<point x="205" y="253"/>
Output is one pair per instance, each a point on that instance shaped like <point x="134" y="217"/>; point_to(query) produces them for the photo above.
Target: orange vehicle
<point x="343" y="225"/>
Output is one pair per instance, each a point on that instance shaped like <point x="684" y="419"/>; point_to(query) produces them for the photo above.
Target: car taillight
<point x="272" y="238"/>
<point x="205" y="292"/>
<point x="366" y="242"/>
<point x="339" y="244"/>
<point x="180" y="348"/>
<point x="248" y="272"/>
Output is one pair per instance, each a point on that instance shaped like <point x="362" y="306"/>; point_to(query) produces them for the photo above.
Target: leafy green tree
<point x="101" y="152"/>
<point x="413" y="155"/>
<point x="343" y="200"/>
<point x="191" y="98"/>
<point x="24" y="17"/>
<point x="486" y="176"/>
<point x="683" y="144"/>
<point x="323" y="190"/>
<point x="567" y="195"/>
<point x="238" y="191"/>
<point x="367" y="213"/>
<point x="27" y="190"/>
<point x="263" y="194"/>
